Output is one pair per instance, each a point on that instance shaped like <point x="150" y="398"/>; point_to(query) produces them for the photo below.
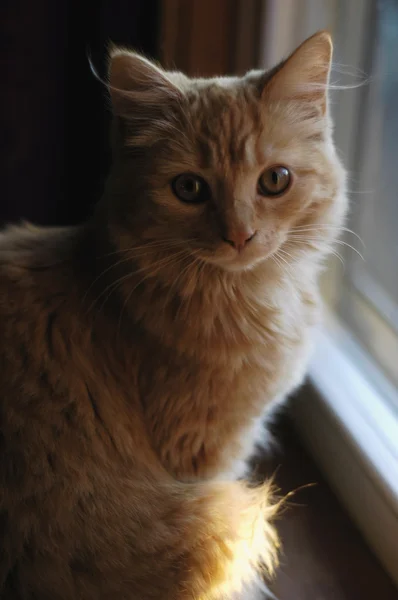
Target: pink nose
<point x="238" y="239"/>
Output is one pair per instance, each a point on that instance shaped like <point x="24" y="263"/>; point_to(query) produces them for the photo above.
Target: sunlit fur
<point x="140" y="351"/>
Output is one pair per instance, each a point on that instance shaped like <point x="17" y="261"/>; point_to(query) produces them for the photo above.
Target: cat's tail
<point x="227" y="540"/>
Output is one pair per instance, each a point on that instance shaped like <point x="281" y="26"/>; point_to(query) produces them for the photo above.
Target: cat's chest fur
<point x="204" y="406"/>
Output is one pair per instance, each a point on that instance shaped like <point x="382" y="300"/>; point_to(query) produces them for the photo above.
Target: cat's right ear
<point x="304" y="76"/>
<point x="137" y="84"/>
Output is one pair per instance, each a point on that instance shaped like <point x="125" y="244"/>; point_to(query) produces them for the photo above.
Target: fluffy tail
<point x="227" y="539"/>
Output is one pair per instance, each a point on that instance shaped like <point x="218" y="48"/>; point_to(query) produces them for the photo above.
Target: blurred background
<point x="54" y="121"/>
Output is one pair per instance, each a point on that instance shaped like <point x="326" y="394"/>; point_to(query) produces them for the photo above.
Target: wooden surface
<point x="324" y="556"/>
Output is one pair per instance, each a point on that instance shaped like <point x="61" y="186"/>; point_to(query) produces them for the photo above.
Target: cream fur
<point x="141" y="351"/>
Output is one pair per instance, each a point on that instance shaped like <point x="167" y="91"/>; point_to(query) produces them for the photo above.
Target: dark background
<point x="53" y="113"/>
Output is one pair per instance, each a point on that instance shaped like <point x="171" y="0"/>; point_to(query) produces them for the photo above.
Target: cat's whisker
<point x="343" y="243"/>
<point x="331" y="251"/>
<point x="283" y="251"/>
<point x="339" y="257"/>
<point x="285" y="262"/>
<point x="326" y="228"/>
<point x="320" y="239"/>
<point x="200" y="271"/>
<point x="160" y="244"/>
<point x="150" y="274"/>
<point x="154" y="247"/>
<point x="198" y="264"/>
<point x="113" y="285"/>
<point x="279" y="264"/>
<point x="166" y="243"/>
<point x="112" y="266"/>
<point x="154" y="268"/>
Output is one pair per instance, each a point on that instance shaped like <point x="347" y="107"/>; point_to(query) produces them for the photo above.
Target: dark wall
<point x="54" y="115"/>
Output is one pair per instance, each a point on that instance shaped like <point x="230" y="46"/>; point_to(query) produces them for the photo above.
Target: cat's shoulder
<point x="28" y="245"/>
<point x="26" y="249"/>
<point x="32" y="261"/>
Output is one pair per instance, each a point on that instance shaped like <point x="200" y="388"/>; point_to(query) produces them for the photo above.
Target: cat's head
<point x="232" y="170"/>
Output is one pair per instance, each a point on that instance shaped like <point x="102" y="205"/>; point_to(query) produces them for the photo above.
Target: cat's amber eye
<point x="274" y="181"/>
<point x="190" y="188"/>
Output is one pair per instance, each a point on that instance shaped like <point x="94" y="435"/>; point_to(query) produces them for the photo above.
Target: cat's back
<point x="36" y="274"/>
<point x="33" y="277"/>
<point x="36" y="287"/>
<point x="31" y="272"/>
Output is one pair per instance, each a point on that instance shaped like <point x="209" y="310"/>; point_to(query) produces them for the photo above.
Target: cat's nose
<point x="239" y="238"/>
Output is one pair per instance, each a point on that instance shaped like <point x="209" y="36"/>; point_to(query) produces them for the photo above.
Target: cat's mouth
<point x="231" y="259"/>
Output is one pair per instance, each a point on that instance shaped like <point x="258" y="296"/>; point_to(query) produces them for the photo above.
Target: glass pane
<point x="369" y="301"/>
<point x="379" y="222"/>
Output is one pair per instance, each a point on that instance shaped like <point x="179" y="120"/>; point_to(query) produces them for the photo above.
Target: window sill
<point x="352" y="432"/>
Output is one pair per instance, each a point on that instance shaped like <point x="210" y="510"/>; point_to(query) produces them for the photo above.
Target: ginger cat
<point x="140" y="350"/>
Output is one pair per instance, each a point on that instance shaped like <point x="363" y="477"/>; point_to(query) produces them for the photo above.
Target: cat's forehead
<point x="225" y="114"/>
<point x="209" y="95"/>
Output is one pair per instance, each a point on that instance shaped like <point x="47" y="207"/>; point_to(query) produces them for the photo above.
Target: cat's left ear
<point x="137" y="85"/>
<point x="305" y="74"/>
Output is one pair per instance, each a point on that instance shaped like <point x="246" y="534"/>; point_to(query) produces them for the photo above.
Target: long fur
<point x="140" y="351"/>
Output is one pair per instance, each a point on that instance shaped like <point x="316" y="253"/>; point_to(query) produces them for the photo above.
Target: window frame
<point x="352" y="433"/>
<point x="345" y="415"/>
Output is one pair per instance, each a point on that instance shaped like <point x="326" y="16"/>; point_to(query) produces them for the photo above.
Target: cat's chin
<point x="237" y="264"/>
<point x="231" y="261"/>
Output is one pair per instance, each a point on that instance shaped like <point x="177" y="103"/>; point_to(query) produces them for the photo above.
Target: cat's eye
<point x="190" y="188"/>
<point x="274" y="181"/>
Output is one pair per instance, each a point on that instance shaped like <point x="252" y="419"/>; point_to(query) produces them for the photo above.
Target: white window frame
<point x="352" y="433"/>
<point x="344" y="418"/>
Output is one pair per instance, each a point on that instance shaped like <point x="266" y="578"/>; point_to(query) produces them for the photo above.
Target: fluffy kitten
<point x="139" y="351"/>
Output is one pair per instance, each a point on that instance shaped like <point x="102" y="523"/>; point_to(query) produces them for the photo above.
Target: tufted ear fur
<point x="305" y="74"/>
<point x="137" y="83"/>
<point x="145" y="100"/>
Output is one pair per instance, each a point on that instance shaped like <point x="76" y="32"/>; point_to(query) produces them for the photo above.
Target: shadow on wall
<point x="53" y="118"/>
